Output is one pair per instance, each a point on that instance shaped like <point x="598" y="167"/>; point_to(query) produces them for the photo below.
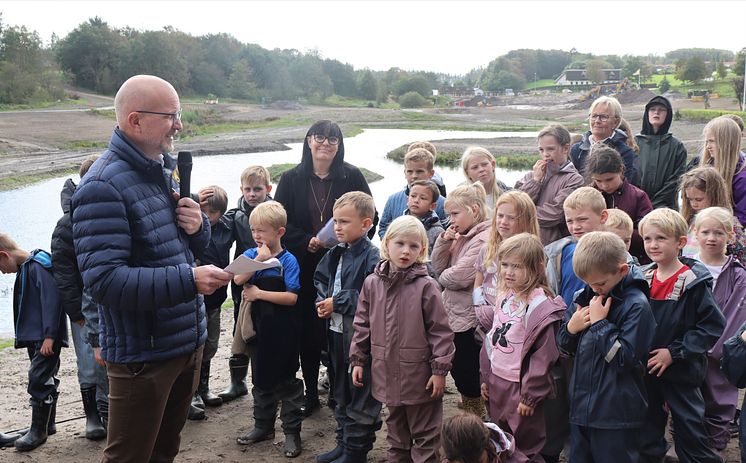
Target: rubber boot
<point x="94" y="428"/>
<point x="331" y="455"/>
<point x="37" y="434"/>
<point x="256" y="435"/>
<point x="52" y="424"/>
<point x="352" y="457"/>
<point x="210" y="399"/>
<point x="196" y="408"/>
<point x="8" y="440"/>
<point x="292" y="447"/>
<point x="239" y="366"/>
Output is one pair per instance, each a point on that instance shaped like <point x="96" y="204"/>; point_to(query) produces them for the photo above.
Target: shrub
<point x="412" y="100"/>
<point x="664" y="86"/>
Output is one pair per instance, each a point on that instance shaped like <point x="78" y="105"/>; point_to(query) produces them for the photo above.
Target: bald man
<point x="135" y="241"/>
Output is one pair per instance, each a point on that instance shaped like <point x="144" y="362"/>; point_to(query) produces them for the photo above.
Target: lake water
<point x="29" y="214"/>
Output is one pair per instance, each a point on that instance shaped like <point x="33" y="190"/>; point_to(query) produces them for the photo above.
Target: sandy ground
<point x="211" y="440"/>
<point x="34" y="142"/>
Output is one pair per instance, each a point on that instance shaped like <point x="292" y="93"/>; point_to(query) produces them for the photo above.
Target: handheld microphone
<point x="184" y="162"/>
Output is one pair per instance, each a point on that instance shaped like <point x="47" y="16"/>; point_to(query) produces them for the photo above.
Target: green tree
<point x="413" y="84"/>
<point x="412" y="100"/>
<point x="240" y="83"/>
<point x="721" y="70"/>
<point x="594" y="70"/>
<point x="665" y="85"/>
<point x="694" y="70"/>
<point x="342" y="77"/>
<point x="740" y="58"/>
<point x="367" y="86"/>
<point x="91" y="54"/>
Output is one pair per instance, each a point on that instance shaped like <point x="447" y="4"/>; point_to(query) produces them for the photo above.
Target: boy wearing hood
<point x="662" y="156"/>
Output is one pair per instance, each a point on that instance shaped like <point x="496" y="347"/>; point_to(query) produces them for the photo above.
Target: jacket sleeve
<point x="550" y="213"/>
<point x="575" y="157"/>
<point x="345" y="301"/>
<point x="104" y="247"/>
<point x="536" y="382"/>
<point x="708" y="325"/>
<point x="739" y="197"/>
<point x="625" y="346"/>
<point x="321" y="277"/>
<point x="296" y="239"/>
<point x="529" y="186"/>
<point x="461" y="274"/>
<point x="668" y="190"/>
<point x="386" y="217"/>
<point x="485" y="316"/>
<point x="631" y="162"/>
<point x="733" y="362"/>
<point x="198" y="242"/>
<point x="49" y="296"/>
<point x="360" y="345"/>
<point x="566" y="341"/>
<point x="441" y="254"/>
<point x="65" y="269"/>
<point x="437" y="329"/>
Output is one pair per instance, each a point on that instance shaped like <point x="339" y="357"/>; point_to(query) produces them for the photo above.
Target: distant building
<point x="578" y="77"/>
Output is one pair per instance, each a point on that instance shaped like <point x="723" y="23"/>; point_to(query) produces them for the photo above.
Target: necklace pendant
<point x="321" y="218"/>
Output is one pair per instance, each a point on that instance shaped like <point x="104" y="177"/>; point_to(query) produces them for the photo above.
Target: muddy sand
<point x="38" y="141"/>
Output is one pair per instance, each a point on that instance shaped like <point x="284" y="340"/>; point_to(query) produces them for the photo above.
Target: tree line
<point x="98" y="57"/>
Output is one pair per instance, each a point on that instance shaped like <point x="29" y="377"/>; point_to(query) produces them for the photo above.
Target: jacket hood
<point x="66" y="194"/>
<point x="635" y="278"/>
<point x="42" y="257"/>
<point x="617" y="137"/>
<point x="385" y="271"/>
<point x="701" y="274"/>
<point x="647" y="129"/>
<point x="356" y="248"/>
<point x="428" y="220"/>
<point x="478" y="228"/>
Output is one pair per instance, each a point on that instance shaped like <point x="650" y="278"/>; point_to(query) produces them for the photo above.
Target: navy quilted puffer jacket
<point x="135" y="260"/>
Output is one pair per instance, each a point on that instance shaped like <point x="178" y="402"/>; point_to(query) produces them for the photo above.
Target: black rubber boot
<point x="292" y="446"/>
<point x="331" y="455"/>
<point x="94" y="427"/>
<point x="8" y="440"/>
<point x="196" y="408"/>
<point x="239" y="366"/>
<point x="210" y="399"/>
<point x="37" y="434"/>
<point x="256" y="435"/>
<point x="352" y="457"/>
<point x="52" y="424"/>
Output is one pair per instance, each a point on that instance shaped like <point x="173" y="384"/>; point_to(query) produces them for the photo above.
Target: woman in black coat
<point x="308" y="192"/>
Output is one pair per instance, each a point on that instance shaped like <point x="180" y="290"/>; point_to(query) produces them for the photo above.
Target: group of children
<point x="532" y="298"/>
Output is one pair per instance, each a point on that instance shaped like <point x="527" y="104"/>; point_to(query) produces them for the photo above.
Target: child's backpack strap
<point x="681" y="282"/>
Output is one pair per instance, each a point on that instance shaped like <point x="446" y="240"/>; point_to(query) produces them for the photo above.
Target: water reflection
<point x="29" y="214"/>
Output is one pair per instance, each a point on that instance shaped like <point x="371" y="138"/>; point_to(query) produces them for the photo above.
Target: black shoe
<point x="210" y="399"/>
<point x="37" y="433"/>
<point x="330" y="456"/>
<point x="255" y="435"/>
<point x="239" y="366"/>
<point x="94" y="427"/>
<point x="310" y="406"/>
<point x="292" y="445"/>
<point x="331" y="403"/>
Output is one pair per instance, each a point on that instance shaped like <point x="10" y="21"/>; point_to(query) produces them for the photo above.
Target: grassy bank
<point x="704" y="115"/>
<point x="22" y="180"/>
<point x="276" y="171"/>
<point x="453" y="158"/>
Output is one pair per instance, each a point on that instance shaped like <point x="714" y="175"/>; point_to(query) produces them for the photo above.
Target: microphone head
<point x="184" y="158"/>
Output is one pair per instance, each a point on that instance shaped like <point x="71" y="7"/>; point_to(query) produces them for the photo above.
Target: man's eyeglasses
<point x="600" y="117"/>
<point x="174" y="116"/>
<point x="318" y="138"/>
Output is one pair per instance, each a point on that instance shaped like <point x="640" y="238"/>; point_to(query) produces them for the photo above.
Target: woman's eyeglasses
<point x="318" y="138"/>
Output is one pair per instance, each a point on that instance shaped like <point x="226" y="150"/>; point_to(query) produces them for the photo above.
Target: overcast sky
<point x="443" y="36"/>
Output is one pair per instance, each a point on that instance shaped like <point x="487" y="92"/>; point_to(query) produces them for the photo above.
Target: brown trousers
<point x="414" y="432"/>
<point x="148" y="406"/>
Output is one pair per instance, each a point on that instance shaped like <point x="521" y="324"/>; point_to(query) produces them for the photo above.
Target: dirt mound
<point x="642" y="95"/>
<point x="285" y="105"/>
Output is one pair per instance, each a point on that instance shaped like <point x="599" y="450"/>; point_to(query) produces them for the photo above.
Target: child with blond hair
<point x="402" y="345"/>
<point x="620" y="224"/>
<point x="520" y="347"/>
<point x="479" y="165"/>
<point x="453" y="259"/>
<point x="607" y="332"/>
<point x="689" y="324"/>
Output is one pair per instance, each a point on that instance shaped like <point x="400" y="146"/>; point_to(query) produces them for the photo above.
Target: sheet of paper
<point x="243" y="264"/>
